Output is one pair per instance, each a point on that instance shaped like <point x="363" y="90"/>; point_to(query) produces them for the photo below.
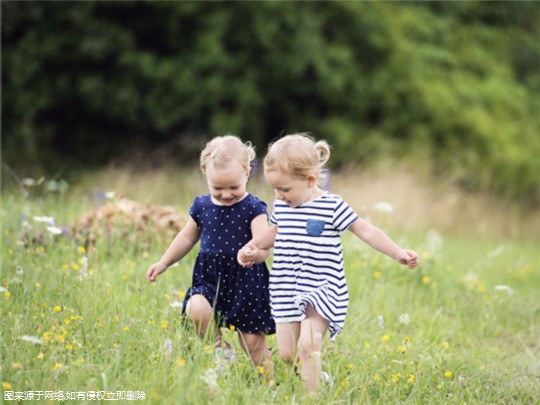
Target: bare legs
<point x="199" y="310"/>
<point x="304" y="339"/>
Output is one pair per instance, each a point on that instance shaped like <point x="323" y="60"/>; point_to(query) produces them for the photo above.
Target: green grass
<point x="448" y="334"/>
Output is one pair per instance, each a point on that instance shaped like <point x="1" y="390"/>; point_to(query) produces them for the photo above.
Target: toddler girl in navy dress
<point x="225" y="220"/>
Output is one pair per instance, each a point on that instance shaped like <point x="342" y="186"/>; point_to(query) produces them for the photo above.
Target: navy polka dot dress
<point x="239" y="295"/>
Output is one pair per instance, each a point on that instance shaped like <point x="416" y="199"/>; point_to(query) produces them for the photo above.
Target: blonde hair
<point x="298" y="155"/>
<point x="223" y="150"/>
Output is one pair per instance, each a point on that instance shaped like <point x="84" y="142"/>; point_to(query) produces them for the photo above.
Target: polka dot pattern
<point x="239" y="295"/>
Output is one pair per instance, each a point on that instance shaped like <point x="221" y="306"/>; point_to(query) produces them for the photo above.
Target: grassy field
<point x="80" y="321"/>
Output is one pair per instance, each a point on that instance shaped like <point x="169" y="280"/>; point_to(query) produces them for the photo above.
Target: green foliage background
<point x="455" y="84"/>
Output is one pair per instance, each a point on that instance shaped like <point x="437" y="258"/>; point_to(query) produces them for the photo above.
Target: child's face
<point x="227" y="186"/>
<point x="293" y="191"/>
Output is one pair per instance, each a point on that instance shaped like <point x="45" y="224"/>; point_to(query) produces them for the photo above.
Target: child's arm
<point x="378" y="240"/>
<point x="256" y="250"/>
<point x="180" y="246"/>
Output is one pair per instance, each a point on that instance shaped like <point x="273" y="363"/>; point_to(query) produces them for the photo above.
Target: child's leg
<point x="254" y="344"/>
<point x="287" y="338"/>
<point x="199" y="310"/>
<point x="312" y="330"/>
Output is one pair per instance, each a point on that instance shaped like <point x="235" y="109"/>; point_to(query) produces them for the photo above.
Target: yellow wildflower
<point x="402" y="349"/>
<point x="57" y="366"/>
<point x="232" y="327"/>
<point x="180" y="362"/>
<point x="385" y="338"/>
<point x="377" y="274"/>
<point x="445" y="345"/>
<point x="7" y="386"/>
<point x="126" y="329"/>
<point x="57" y="308"/>
<point x="41" y="356"/>
<point x="81" y="249"/>
<point x="164" y="324"/>
<point x="426" y="279"/>
<point x="448" y="374"/>
<point x="410" y="378"/>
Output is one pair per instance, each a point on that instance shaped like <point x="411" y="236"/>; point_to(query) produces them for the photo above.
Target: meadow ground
<point x="81" y="322"/>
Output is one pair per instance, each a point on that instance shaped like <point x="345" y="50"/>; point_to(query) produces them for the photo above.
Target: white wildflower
<point x="384" y="207"/>
<point x="3" y="289"/>
<point x="83" y="273"/>
<point x="496" y="252"/>
<point x="54" y="230"/>
<point x="167" y="346"/>
<point x="404" y="319"/>
<point x="380" y="319"/>
<point x="506" y="288"/>
<point x="210" y="377"/>
<point x="109" y="195"/>
<point x="46" y="220"/>
<point x="31" y="339"/>
<point x="175" y="304"/>
<point x="28" y="182"/>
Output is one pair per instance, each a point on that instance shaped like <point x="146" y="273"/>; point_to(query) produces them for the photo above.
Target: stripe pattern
<point x="308" y="263"/>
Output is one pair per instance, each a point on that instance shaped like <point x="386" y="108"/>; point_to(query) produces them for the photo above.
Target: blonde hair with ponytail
<point x="298" y="155"/>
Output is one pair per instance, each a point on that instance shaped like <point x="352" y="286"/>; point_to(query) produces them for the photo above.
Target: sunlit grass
<point x="463" y="328"/>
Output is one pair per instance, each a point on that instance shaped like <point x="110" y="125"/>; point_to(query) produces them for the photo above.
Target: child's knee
<point x="198" y="308"/>
<point x="309" y="348"/>
<point x="287" y="355"/>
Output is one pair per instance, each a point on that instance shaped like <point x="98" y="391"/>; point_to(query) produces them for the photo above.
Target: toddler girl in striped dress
<point x="308" y="292"/>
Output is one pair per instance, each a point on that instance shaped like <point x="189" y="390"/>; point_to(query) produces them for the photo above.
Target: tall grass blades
<point x="80" y="319"/>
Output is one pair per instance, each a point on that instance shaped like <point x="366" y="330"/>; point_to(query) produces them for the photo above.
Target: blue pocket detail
<point x="315" y="227"/>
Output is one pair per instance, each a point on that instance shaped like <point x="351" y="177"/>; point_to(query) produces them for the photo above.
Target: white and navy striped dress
<point x="308" y="260"/>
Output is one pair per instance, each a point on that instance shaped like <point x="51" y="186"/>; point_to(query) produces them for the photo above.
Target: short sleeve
<point x="195" y="211"/>
<point x="343" y="216"/>
<point x="273" y="219"/>
<point x="258" y="207"/>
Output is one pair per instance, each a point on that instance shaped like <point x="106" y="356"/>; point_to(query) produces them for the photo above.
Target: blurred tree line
<point x="454" y="83"/>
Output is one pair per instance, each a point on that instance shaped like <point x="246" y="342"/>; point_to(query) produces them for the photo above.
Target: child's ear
<point x="311" y="180"/>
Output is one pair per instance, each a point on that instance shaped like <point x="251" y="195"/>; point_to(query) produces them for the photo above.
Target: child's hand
<point x="246" y="256"/>
<point x="155" y="270"/>
<point x="408" y="257"/>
